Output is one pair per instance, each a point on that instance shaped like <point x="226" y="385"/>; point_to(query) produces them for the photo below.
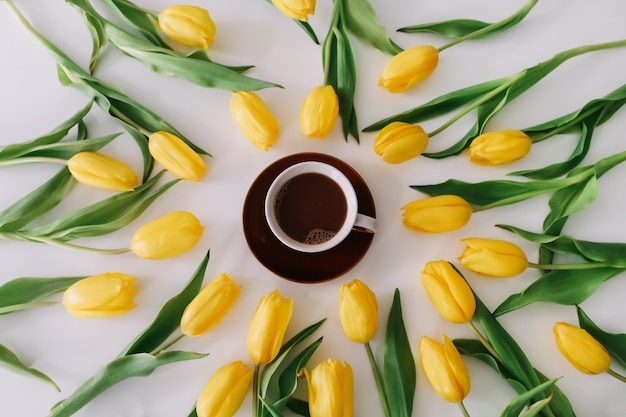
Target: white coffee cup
<point x="312" y="207"/>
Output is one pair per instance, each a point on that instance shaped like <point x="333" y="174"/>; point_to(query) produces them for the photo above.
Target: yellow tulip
<point x="103" y="295"/>
<point x="296" y="9"/>
<point x="331" y="389"/>
<point x="225" y="391"/>
<point x="497" y="148"/>
<point x="188" y="25"/>
<point x="493" y="258"/>
<point x="444" y="368"/>
<point x="101" y="171"/>
<point x="448" y="291"/>
<point x="358" y="311"/>
<point x="166" y="237"/>
<point x="399" y="141"/>
<point x="409" y="67"/>
<point x="319" y="112"/>
<point x="437" y="214"/>
<point x="210" y="306"/>
<point x="581" y="349"/>
<point x="254" y="119"/>
<point x="268" y="326"/>
<point x="176" y="156"/>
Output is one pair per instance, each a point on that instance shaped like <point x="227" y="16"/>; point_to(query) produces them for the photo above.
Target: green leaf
<point x="288" y="379"/>
<point x="57" y="134"/>
<point x="304" y="26"/>
<point x="118" y="370"/>
<point x="98" y="38"/>
<point x="570" y="200"/>
<point x="62" y="150"/>
<point x="9" y="360"/>
<point x="361" y="20"/>
<point x="399" y="374"/>
<point x="144" y="21"/>
<point x="104" y="216"/>
<point x="567" y="287"/>
<point x="517" y="405"/>
<point x="168" y="319"/>
<point x="474" y="29"/>
<point x="615" y="343"/>
<point x="26" y="290"/>
<point x="494" y="193"/>
<point x="299" y="407"/>
<point x="37" y="202"/>
<point x="340" y="70"/>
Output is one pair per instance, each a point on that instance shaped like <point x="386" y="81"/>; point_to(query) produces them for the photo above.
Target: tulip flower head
<point x="254" y="119"/>
<point x="581" y="349"/>
<point x="225" y="391"/>
<point x="296" y="9"/>
<point x="358" y="311"/>
<point x="409" y="67"/>
<point x="331" y="389"/>
<point x="166" y="237"/>
<point x="210" y="306"/>
<point x="103" y="295"/>
<point x="176" y="156"/>
<point x="444" y="368"/>
<point x="101" y="171"/>
<point x="188" y="25"/>
<point x="501" y="147"/>
<point x="268" y="326"/>
<point x="493" y="258"/>
<point x="438" y="214"/>
<point x="400" y="141"/>
<point x="319" y="112"/>
<point x="448" y="291"/>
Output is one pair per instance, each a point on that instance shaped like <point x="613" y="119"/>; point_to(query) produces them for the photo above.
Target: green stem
<point x="565" y="126"/>
<point x="61" y="244"/>
<point x="117" y="113"/>
<point x="616" y="375"/>
<point x="24" y="306"/>
<point x="480" y="100"/>
<point x="566" y="267"/>
<point x="463" y="409"/>
<point x="484" y="341"/>
<point x="167" y="344"/>
<point x="378" y="379"/>
<point x="256" y="404"/>
<point x="32" y="159"/>
<point x="515" y="16"/>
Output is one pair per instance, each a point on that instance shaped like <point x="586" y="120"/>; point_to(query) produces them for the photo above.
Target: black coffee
<point x="311" y="208"/>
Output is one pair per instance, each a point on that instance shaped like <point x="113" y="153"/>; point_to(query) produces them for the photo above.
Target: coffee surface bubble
<point x="318" y="236"/>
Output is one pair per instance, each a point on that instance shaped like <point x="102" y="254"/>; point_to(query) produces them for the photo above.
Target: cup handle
<point x="364" y="223"/>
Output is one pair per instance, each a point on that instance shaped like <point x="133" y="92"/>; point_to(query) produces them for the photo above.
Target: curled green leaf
<point x="25" y="291"/>
<point x="615" y="343"/>
<point x="519" y="403"/>
<point x="9" y="360"/>
<point x="361" y="20"/>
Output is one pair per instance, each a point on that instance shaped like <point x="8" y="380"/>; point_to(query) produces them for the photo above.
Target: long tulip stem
<point x="32" y="159"/>
<point x="24" y="306"/>
<point x="256" y="404"/>
<point x="616" y="375"/>
<point x="463" y="409"/>
<point x="588" y="265"/>
<point x="167" y="345"/>
<point x="60" y="243"/>
<point x="378" y="379"/>
<point x="484" y="341"/>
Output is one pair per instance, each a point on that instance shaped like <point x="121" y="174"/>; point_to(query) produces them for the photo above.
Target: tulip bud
<point x="331" y="389"/>
<point x="176" y="156"/>
<point x="444" y="368"/>
<point x="168" y="236"/>
<point x="225" y="391"/>
<point x="254" y="119"/>
<point x="103" y="295"/>
<point x="188" y="25"/>
<point x="101" y="171"/>
<point x="210" y="306"/>
<point x="581" y="349"/>
<point x="493" y="258"/>
<point x="268" y="327"/>
<point x="399" y="141"/>
<point x="409" y="67"/>
<point x="358" y="311"/>
<point x="442" y="213"/>
<point x="319" y="112"/>
<point x="497" y="148"/>
<point x="448" y="291"/>
<point x="296" y="9"/>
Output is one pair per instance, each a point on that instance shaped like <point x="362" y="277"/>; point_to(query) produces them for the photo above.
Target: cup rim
<point x="315" y="167"/>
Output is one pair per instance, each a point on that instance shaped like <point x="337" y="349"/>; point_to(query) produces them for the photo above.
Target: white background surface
<point x="70" y="349"/>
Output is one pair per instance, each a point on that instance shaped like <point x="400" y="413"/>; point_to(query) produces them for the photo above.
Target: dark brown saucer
<point x="286" y="262"/>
